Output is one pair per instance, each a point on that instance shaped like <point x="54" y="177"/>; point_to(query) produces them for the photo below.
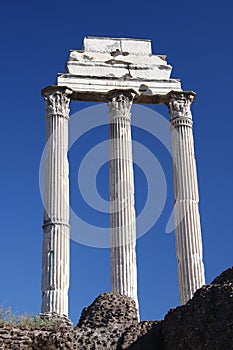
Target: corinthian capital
<point x="179" y="103"/>
<point x="57" y="101"/>
<point x="120" y="103"/>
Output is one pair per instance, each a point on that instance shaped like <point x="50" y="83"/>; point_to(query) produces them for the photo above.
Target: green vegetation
<point x="7" y="317"/>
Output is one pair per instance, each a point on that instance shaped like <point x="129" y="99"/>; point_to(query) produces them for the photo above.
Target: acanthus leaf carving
<point x="120" y="104"/>
<point x="179" y="105"/>
<point x="57" y="103"/>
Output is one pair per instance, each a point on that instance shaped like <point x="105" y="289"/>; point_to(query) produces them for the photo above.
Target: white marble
<point x="187" y="219"/>
<point x="119" y="72"/>
<point x="128" y="45"/>
<point x="106" y="64"/>
<point x="56" y="241"/>
<point x="96" y="90"/>
<point x="122" y="212"/>
<point x="120" y="66"/>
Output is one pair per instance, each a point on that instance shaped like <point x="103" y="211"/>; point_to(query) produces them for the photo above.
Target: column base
<point x="55" y="300"/>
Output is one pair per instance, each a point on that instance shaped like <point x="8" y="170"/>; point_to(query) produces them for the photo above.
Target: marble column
<point x="186" y="211"/>
<point x="122" y="211"/>
<point x="56" y="240"/>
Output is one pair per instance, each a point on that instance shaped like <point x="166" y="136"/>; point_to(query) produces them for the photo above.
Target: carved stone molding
<point x="185" y="121"/>
<point x="119" y="104"/>
<point x="179" y="104"/>
<point x="57" y="101"/>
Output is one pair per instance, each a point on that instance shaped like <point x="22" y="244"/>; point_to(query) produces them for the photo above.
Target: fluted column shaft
<point x="186" y="211"/>
<point x="122" y="212"/>
<point x="56" y="240"/>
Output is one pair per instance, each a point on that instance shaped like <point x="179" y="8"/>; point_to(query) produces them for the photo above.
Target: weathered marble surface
<point x="105" y="64"/>
<point x="189" y="249"/>
<point x="126" y="67"/>
<point x="56" y="239"/>
<point x="131" y="46"/>
<point x="122" y="211"/>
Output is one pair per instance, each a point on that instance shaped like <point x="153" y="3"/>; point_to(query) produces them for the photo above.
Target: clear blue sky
<point x="35" y="42"/>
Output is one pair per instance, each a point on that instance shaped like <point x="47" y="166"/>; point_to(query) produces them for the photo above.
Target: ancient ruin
<point x="119" y="72"/>
<point x="111" y="323"/>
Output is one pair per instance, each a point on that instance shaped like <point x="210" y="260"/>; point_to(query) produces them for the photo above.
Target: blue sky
<point x="35" y="41"/>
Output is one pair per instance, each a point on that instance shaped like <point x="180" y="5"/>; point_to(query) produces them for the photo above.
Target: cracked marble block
<point x="106" y="64"/>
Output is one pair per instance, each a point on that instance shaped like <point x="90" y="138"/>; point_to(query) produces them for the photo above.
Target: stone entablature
<point x="106" y="64"/>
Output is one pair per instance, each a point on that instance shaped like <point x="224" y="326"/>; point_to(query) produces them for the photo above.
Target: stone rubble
<point x="110" y="322"/>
